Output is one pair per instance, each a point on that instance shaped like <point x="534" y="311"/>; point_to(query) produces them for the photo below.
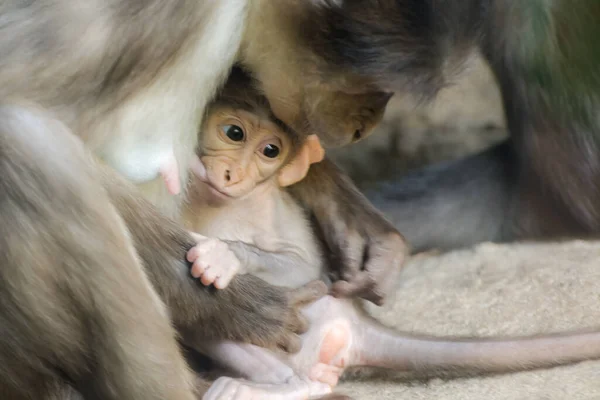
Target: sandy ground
<point x="488" y="290"/>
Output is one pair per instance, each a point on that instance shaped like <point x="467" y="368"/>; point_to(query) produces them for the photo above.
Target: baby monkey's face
<point x="238" y="152"/>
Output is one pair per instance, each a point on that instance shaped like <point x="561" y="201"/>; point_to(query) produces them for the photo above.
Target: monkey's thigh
<point x="75" y="304"/>
<point x="452" y="204"/>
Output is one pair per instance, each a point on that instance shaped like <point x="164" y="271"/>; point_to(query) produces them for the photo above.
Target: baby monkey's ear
<point x="311" y="152"/>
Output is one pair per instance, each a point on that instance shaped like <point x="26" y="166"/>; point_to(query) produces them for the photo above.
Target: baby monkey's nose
<point x="233" y="175"/>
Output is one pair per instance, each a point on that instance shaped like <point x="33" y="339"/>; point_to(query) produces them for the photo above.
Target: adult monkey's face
<point x="306" y="90"/>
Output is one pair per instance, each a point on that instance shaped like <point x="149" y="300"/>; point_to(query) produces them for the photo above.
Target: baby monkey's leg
<point x="267" y="377"/>
<point x="248" y="361"/>
<point x="342" y="335"/>
<point x="239" y="389"/>
<point x="334" y="341"/>
<point x="327" y="349"/>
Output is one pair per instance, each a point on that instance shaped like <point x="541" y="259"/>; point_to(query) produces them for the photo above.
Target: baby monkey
<point x="245" y="161"/>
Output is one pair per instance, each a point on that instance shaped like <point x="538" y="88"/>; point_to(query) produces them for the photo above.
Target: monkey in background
<point x="540" y="183"/>
<point x="238" y="194"/>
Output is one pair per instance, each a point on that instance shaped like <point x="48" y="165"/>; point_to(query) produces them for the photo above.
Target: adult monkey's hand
<point x="366" y="252"/>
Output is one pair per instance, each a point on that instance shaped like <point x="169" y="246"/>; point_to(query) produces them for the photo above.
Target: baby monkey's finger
<point x="198" y="268"/>
<point x="200" y="250"/>
<point x="209" y="276"/>
<point x="192" y="254"/>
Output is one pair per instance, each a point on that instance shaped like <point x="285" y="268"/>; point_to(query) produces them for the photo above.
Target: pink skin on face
<point x="198" y="168"/>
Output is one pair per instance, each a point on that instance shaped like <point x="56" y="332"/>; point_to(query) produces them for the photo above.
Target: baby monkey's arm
<point x="269" y="264"/>
<point x="216" y="262"/>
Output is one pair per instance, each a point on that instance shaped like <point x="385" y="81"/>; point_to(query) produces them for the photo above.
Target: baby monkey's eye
<point x="271" y="151"/>
<point x="234" y="132"/>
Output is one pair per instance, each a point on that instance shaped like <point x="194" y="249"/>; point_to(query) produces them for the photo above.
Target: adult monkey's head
<point x="309" y="92"/>
<point x="328" y="66"/>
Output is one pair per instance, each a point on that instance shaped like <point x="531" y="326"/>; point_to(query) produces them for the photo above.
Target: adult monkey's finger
<point x="308" y="293"/>
<point x="361" y="285"/>
<point x="352" y="254"/>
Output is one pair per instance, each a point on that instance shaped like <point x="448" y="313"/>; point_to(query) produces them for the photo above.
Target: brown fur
<point x="341" y="108"/>
<point x="65" y="322"/>
<point x="541" y="183"/>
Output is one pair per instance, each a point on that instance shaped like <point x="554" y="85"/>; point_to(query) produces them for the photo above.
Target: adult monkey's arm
<point x="249" y="309"/>
<point x="366" y="251"/>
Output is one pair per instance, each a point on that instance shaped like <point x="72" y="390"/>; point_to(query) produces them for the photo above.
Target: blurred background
<point x="465" y="118"/>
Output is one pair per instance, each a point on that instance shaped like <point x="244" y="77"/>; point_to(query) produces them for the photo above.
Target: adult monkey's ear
<point x="311" y="152"/>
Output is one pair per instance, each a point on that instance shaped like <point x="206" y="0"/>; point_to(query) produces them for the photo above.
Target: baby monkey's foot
<point x="237" y="389"/>
<point x="212" y="261"/>
<point x="327" y="347"/>
<point x="333" y="354"/>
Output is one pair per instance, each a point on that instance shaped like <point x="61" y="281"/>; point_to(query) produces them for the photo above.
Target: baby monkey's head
<point x="243" y="146"/>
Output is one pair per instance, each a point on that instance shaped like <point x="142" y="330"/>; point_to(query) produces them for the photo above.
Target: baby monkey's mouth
<point x="216" y="191"/>
<point x="199" y="171"/>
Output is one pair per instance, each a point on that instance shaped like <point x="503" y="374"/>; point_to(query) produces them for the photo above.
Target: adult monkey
<point x="84" y="258"/>
<point x="545" y="180"/>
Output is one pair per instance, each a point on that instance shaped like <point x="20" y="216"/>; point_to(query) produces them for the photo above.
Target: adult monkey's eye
<point x="234" y="132"/>
<point x="271" y="151"/>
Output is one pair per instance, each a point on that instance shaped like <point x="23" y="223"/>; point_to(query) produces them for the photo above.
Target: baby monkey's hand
<point x="212" y="261"/>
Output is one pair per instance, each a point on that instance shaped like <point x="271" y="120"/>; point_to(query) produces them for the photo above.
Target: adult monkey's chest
<point x="162" y="119"/>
